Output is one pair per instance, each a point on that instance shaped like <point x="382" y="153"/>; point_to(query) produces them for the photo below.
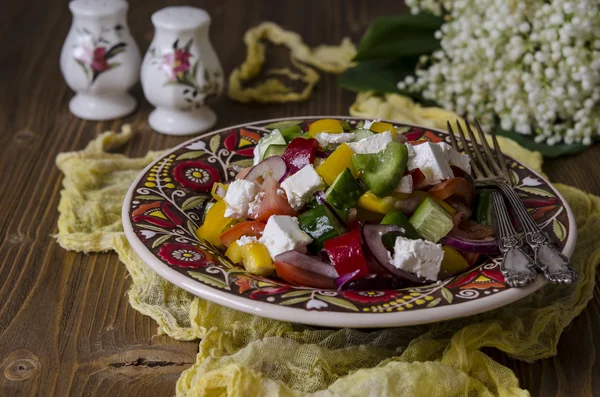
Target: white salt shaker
<point x="180" y="70"/>
<point x="100" y="60"/>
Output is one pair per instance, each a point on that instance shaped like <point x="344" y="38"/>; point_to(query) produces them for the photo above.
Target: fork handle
<point x="517" y="267"/>
<point x="555" y="266"/>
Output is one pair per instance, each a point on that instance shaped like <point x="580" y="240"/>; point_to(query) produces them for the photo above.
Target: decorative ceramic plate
<point x="164" y="206"/>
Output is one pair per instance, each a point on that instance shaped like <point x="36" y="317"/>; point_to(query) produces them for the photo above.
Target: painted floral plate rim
<point x="162" y="211"/>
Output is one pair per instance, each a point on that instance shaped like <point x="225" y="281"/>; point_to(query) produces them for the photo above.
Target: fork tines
<point x="487" y="165"/>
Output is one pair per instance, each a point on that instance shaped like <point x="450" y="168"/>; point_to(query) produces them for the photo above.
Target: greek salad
<point x="336" y="207"/>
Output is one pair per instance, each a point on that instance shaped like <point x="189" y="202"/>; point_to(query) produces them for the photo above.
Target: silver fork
<point x="492" y="172"/>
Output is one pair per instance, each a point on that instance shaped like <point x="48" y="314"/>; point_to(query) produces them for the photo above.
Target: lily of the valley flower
<point x="534" y="65"/>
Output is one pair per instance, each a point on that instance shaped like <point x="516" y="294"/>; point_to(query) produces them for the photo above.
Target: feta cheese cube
<point x="430" y="159"/>
<point x="371" y="144"/>
<point x="325" y="139"/>
<point x="239" y="196"/>
<point x="405" y="185"/>
<point x="299" y="188"/>
<point x="419" y="257"/>
<point x="367" y="124"/>
<point x="282" y="234"/>
<point x="456" y="158"/>
<point x="245" y="240"/>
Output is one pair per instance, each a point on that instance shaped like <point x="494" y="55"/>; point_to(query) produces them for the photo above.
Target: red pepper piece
<point x="346" y="254"/>
<point x="300" y="153"/>
<point x="418" y="177"/>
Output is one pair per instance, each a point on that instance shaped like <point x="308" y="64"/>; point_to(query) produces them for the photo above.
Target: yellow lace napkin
<point x="244" y="355"/>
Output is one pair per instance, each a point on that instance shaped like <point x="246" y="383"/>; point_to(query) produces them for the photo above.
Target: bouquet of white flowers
<point x="530" y="66"/>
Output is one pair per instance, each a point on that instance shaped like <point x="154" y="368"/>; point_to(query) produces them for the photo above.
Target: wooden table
<point x="66" y="327"/>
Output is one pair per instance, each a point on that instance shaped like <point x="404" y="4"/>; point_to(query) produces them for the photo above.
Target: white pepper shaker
<point x="180" y="70"/>
<point x="100" y="60"/>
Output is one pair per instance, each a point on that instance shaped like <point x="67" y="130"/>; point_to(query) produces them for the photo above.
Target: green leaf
<point x="296" y="293"/>
<point x="149" y="197"/>
<point x="559" y="229"/>
<point x="195" y="69"/>
<point x="215" y="141"/>
<point x="193" y="202"/>
<point x="399" y="36"/>
<point x="535" y="190"/>
<point x="210" y="280"/>
<point x="338" y="302"/>
<point x="243" y="163"/>
<point x="161" y="240"/>
<point x="191" y="155"/>
<point x="84" y="68"/>
<point x="188" y="45"/>
<point x="377" y="75"/>
<point x="114" y="65"/>
<point x="192" y="228"/>
<point x="558" y="150"/>
<point x="152" y="227"/>
<point x="447" y="295"/>
<point x="295" y="300"/>
<point x="434" y="302"/>
<point x="282" y="124"/>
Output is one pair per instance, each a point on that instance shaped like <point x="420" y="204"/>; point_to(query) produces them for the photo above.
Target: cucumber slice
<point x="431" y="220"/>
<point x="273" y="138"/>
<point x="343" y="194"/>
<point x="397" y="217"/>
<point x="361" y="133"/>
<point x="320" y="224"/>
<point x="274" y="150"/>
<point x="291" y="132"/>
<point x="381" y="172"/>
<point x="484" y="208"/>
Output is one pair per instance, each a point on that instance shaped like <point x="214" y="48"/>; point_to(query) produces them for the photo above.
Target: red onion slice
<point x="307" y="263"/>
<point x="488" y="246"/>
<point x="342" y="280"/>
<point x="320" y="196"/>
<point x="372" y="236"/>
<point x="274" y="166"/>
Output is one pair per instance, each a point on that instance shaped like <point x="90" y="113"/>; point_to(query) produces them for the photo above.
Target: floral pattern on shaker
<point x="176" y="63"/>
<point x="93" y="54"/>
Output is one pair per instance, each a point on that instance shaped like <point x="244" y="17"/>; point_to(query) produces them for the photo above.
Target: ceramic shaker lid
<point x="180" y="18"/>
<point x="97" y="7"/>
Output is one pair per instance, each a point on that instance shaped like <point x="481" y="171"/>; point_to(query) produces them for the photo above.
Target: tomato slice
<point x="296" y="276"/>
<point x="418" y="177"/>
<point x="273" y="202"/>
<point x="454" y="187"/>
<point x="248" y="228"/>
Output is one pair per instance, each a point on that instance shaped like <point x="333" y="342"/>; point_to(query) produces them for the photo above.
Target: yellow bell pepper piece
<point x="254" y="256"/>
<point x="371" y="202"/>
<point x="453" y="261"/>
<point x="380" y="126"/>
<point x="214" y="223"/>
<point x="447" y="206"/>
<point x="336" y="163"/>
<point x="330" y="126"/>
<point x="213" y="191"/>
